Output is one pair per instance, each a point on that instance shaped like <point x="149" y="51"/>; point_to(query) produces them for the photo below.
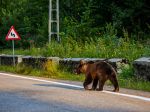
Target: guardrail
<point x="141" y="65"/>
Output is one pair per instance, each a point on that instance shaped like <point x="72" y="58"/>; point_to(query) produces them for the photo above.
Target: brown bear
<point x="100" y="72"/>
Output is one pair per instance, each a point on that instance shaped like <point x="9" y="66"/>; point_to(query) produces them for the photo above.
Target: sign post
<point x="13" y="52"/>
<point x="13" y="35"/>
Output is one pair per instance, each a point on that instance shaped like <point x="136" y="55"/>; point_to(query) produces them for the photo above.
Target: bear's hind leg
<point x="114" y="81"/>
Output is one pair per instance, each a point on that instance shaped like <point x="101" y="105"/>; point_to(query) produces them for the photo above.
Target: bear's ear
<point x="82" y="62"/>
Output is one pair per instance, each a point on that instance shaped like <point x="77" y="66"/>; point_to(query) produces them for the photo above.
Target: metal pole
<point x="13" y="52"/>
<point x="49" y="21"/>
<point x="52" y="20"/>
<point x="58" y="39"/>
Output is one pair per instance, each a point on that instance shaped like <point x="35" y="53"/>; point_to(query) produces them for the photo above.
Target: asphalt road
<point x="28" y="94"/>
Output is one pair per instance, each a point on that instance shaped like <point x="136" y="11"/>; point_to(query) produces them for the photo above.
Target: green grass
<point x="29" y="71"/>
<point x="125" y="80"/>
<point x="133" y="83"/>
<point x="102" y="48"/>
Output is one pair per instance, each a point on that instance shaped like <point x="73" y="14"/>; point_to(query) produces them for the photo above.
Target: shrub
<point x="23" y="69"/>
<point x="51" y="68"/>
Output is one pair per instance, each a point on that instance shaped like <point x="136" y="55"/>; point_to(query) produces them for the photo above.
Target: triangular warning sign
<point x="12" y="34"/>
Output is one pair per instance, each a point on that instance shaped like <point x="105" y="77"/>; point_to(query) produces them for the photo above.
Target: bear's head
<point x="82" y="67"/>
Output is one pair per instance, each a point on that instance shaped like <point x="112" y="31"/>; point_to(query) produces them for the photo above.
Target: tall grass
<point x="102" y="48"/>
<point x="106" y="45"/>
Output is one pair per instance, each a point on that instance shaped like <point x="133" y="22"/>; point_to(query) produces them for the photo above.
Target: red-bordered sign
<point x="12" y="34"/>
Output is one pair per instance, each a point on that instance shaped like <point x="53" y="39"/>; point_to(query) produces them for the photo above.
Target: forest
<point x="90" y="28"/>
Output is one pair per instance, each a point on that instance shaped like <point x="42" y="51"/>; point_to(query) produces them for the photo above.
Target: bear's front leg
<point x="88" y="80"/>
<point x="101" y="84"/>
<point x="95" y="82"/>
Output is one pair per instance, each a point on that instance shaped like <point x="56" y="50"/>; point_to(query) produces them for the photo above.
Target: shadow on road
<point x="66" y="87"/>
<point x="58" y="86"/>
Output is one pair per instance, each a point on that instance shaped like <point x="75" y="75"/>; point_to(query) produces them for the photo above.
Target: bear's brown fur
<point x="97" y="72"/>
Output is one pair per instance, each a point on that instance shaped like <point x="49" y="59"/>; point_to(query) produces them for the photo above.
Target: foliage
<point x="25" y="15"/>
<point x="81" y="20"/>
<point x="108" y="46"/>
<point x="23" y="69"/>
<point x="50" y="67"/>
<point x="127" y="72"/>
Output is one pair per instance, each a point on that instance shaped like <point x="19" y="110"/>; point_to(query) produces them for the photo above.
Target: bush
<point x="51" y="67"/>
<point x="23" y="69"/>
<point x="127" y="72"/>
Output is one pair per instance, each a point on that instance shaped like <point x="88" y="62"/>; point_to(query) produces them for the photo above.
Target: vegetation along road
<point x="29" y="94"/>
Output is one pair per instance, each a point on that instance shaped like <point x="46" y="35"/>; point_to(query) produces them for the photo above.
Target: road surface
<point x="29" y="94"/>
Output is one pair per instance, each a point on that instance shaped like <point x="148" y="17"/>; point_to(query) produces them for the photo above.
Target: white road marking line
<point x="128" y="95"/>
<point x="76" y="86"/>
<point x="53" y="82"/>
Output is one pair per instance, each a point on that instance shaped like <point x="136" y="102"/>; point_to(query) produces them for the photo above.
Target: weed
<point x="23" y="69"/>
<point x="50" y="69"/>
